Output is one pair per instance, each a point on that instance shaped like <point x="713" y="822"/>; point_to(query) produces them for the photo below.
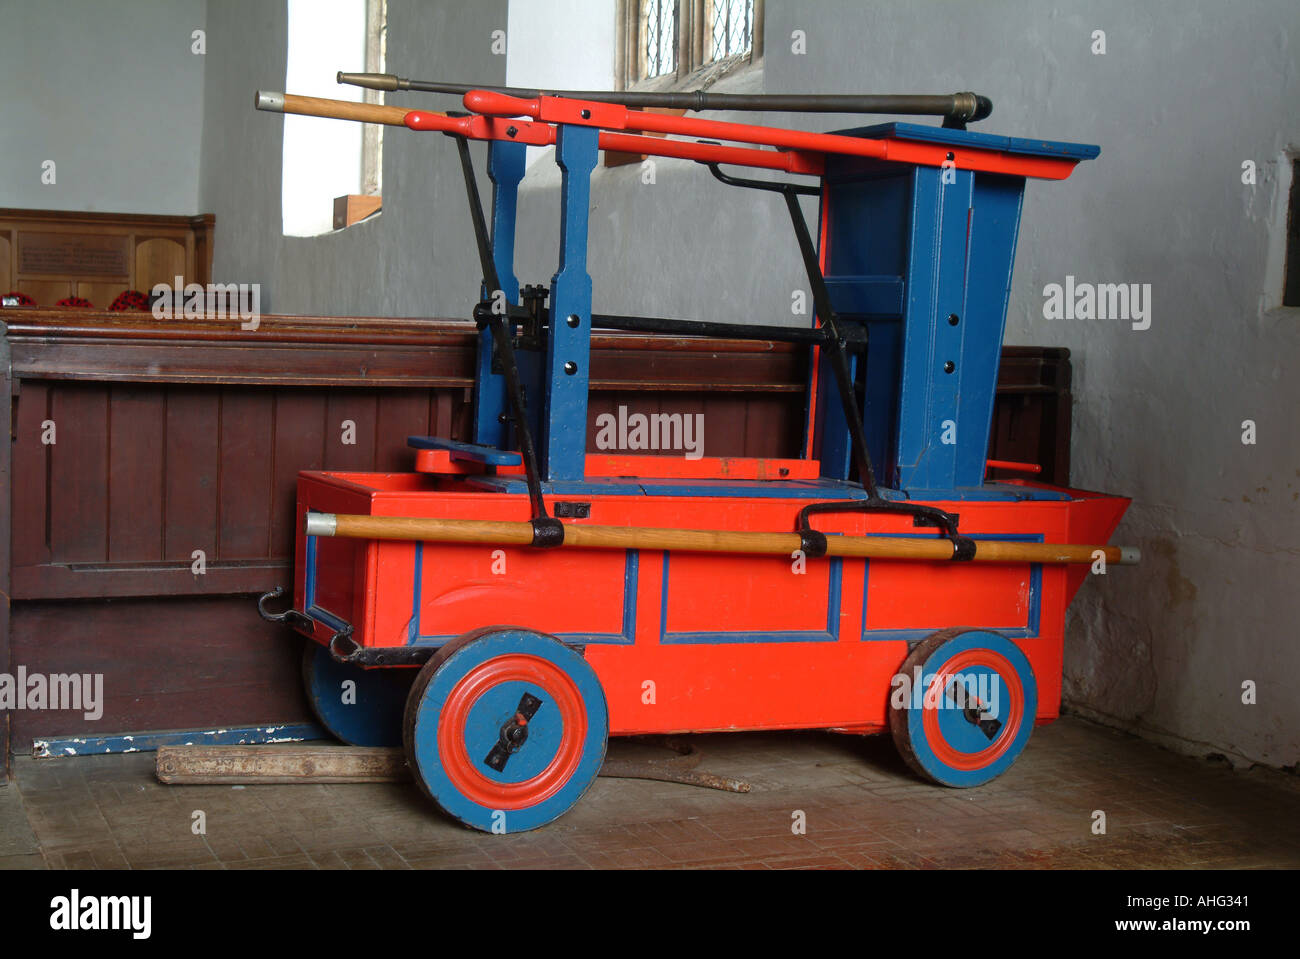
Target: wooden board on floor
<point x="198" y="765"/>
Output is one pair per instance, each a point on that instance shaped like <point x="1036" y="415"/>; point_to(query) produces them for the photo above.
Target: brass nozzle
<point x="372" y="81"/>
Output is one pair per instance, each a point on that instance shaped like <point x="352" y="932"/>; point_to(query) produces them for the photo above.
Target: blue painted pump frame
<point x="920" y="256"/>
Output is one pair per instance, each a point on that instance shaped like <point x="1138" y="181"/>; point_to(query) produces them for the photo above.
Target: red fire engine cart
<point x="511" y="603"/>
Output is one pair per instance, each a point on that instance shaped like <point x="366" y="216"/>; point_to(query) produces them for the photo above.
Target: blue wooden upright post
<point x="568" y="348"/>
<point x="962" y="245"/>
<point x="506" y="169"/>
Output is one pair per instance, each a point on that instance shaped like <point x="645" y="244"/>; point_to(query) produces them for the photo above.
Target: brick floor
<point x="861" y="807"/>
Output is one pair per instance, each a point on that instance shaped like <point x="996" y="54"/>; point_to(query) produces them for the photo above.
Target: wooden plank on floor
<point x="194" y="765"/>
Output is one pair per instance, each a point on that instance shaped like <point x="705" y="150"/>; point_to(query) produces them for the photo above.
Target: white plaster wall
<point x="1184" y="94"/>
<point x="417" y="257"/>
<point x="112" y="93"/>
<point x="561" y="43"/>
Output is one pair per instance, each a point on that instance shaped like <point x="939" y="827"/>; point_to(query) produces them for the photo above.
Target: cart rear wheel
<point x="366" y="713"/>
<point x="505" y="728"/>
<point x="971" y="714"/>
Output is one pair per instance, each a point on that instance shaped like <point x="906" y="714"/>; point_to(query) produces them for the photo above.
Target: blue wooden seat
<point x="466" y="452"/>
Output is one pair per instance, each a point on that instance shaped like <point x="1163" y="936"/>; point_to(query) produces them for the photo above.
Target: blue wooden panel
<point x="994" y="225"/>
<point x="962" y="245"/>
<point x="867" y="228"/>
<point x="880" y="409"/>
<point x="853" y="296"/>
<point x="468" y="452"/>
<point x="942" y="242"/>
<point x="936" y="263"/>
<point x="974" y="138"/>
<point x="568" y="350"/>
<point x="865" y="261"/>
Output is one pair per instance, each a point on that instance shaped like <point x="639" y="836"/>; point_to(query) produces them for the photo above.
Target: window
<point x="658" y="46"/>
<point x="731" y="28"/>
<point x="372" y="134"/>
<point x="332" y="168"/>
<point x="664" y="42"/>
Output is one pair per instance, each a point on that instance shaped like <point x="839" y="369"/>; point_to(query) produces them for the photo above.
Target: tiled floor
<point x="862" y="808"/>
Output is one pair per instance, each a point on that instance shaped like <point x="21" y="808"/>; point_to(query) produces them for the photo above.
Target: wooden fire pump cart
<point x="875" y="584"/>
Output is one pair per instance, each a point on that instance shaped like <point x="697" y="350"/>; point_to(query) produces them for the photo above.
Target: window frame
<point x="372" y="134"/>
<point x="693" y="41"/>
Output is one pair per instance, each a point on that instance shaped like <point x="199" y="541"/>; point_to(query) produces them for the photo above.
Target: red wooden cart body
<point x="726" y="642"/>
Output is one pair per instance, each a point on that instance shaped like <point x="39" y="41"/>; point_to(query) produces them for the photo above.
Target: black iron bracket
<point x="344" y="649"/>
<point x="502" y="337"/>
<point x="290" y="617"/>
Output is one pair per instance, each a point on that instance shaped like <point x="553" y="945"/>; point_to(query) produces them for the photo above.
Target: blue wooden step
<point x="468" y="452"/>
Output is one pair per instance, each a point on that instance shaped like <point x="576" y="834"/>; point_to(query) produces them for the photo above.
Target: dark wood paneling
<point x="351" y="448"/>
<point x="6" y="586"/>
<point x="299" y="445"/>
<point x="167" y="664"/>
<point x="193" y="418"/>
<point x="79" y="480"/>
<point x="31" y="544"/>
<point x="137" y="429"/>
<point x="246" y="468"/>
<point x="397" y="416"/>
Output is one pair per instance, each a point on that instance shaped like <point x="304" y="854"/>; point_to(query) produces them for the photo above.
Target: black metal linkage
<point x="736" y="331"/>
<point x="834" y="342"/>
<point x="813" y="542"/>
<point x="774" y="186"/>
<point x="544" y="528"/>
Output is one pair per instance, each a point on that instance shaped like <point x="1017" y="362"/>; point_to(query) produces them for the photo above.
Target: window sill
<point x="701" y="78"/>
<point x="355" y="208"/>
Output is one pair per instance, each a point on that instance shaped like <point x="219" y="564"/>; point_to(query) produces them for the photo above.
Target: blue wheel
<point x="967" y="706"/>
<point x="361" y="707"/>
<point x="506" y="728"/>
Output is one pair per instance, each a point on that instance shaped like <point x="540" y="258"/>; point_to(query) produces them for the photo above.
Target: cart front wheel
<point x="505" y="728"/>
<point x="963" y="706"/>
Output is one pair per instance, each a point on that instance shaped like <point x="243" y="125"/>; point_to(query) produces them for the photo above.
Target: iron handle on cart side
<point x="341" y="645"/>
<point x="505" y="533"/>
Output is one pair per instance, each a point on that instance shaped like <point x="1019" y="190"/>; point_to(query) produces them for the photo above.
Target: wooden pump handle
<point x="330" y="109"/>
<point x="504" y="533"/>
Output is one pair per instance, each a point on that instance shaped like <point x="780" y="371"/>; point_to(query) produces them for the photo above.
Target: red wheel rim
<point x="943" y="750"/>
<point x="462" y="770"/>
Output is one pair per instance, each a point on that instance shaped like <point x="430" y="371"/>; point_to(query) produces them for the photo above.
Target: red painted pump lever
<point x="1009" y="465"/>
<point x="809" y="147"/>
